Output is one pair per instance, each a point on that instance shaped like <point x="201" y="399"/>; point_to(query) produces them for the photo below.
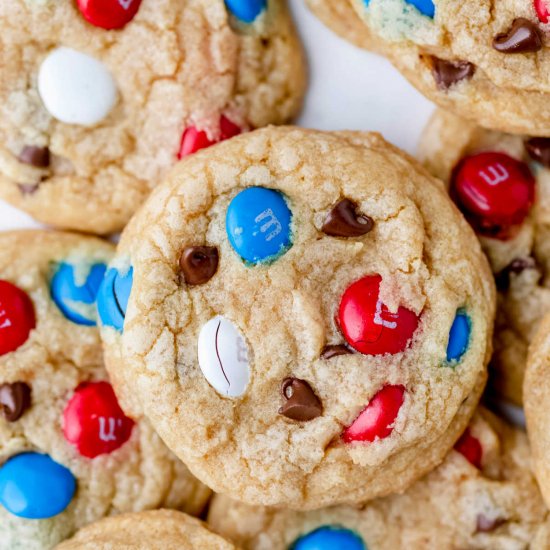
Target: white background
<point x="349" y="89"/>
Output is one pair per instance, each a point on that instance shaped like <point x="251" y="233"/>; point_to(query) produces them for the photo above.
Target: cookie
<point x="156" y="530"/>
<point x="487" y="61"/>
<point x="68" y="453"/>
<point x="536" y="391"/>
<point x="99" y="98"/>
<point x="483" y="496"/>
<point x="304" y="317"/>
<point x="501" y="183"/>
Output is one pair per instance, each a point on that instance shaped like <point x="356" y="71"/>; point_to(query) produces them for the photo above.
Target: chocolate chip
<point x="199" y="264"/>
<point x="343" y="221"/>
<point x="301" y="402"/>
<point x="539" y="150"/>
<point x="486" y="525"/>
<point x="333" y="351"/>
<point x="15" y="399"/>
<point x="28" y="188"/>
<point x="448" y="73"/>
<point x="35" y="156"/>
<point x="515" y="267"/>
<point x="522" y="37"/>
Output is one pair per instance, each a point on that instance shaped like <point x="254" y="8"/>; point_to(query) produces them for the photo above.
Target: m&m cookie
<point x="501" y="183"/>
<point x="154" y="530"/>
<point x="69" y="455"/>
<point x="100" y="98"/>
<point x="487" y="61"/>
<point x="485" y="500"/>
<point x="305" y="317"/>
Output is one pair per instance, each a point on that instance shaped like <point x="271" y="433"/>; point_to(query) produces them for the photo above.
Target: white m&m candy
<point x="76" y="88"/>
<point x="223" y="357"/>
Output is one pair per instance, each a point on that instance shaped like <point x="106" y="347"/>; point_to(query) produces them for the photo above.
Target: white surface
<point x="349" y="89"/>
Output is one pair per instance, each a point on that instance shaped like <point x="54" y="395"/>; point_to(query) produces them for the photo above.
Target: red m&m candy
<point x="368" y="325"/>
<point x="193" y="139"/>
<point x="377" y="418"/>
<point x="542" y="7"/>
<point x="94" y="422"/>
<point x="109" y="14"/>
<point x="470" y="448"/>
<point x="495" y="192"/>
<point x="17" y="317"/>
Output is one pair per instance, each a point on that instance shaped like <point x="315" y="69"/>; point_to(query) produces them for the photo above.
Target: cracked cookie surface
<point x="155" y="530"/>
<point x="484" y="496"/>
<point x="91" y="119"/>
<point x="487" y="61"/>
<point x="335" y="346"/>
<point x="68" y="454"/>
<point x="517" y="242"/>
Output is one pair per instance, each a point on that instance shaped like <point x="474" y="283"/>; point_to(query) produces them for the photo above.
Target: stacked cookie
<point x="300" y="322"/>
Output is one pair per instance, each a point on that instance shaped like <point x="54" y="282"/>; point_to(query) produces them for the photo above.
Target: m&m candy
<point x="542" y="7"/>
<point x="194" y="140"/>
<point x="330" y="537"/>
<point x="470" y="448"/>
<point x="367" y="324"/>
<point x="33" y="486"/>
<point x="17" y="317"/>
<point x="459" y="337"/>
<point x="113" y="296"/>
<point x="246" y="10"/>
<point x="94" y="422"/>
<point x="109" y="14"/>
<point x="494" y="191"/>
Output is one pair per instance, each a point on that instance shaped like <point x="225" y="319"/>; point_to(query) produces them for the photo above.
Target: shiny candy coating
<point x="459" y="337"/>
<point x="330" y="538"/>
<point x="258" y="224"/>
<point x="113" y="296"/>
<point x="376" y="420"/>
<point x="494" y="191"/>
<point x="76" y="299"/>
<point x="33" y="486"/>
<point x="246" y="10"/>
<point x="17" y="317"/>
<point x="470" y="448"/>
<point x="425" y="7"/>
<point x="367" y="324"/>
<point x="94" y="422"/>
<point x="542" y="7"/>
<point x="108" y="14"/>
<point x="194" y="140"/>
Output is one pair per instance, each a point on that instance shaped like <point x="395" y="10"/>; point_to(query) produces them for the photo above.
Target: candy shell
<point x="33" y="486"/>
<point x="470" y="448"/>
<point x="246" y="10"/>
<point x="425" y="7"/>
<point x="258" y="224"/>
<point x="17" y="317"/>
<point x="459" y="337"/>
<point x="223" y="357"/>
<point x="75" y="87"/>
<point x="77" y="301"/>
<point x="108" y="14"/>
<point x="330" y="538"/>
<point x="113" y="296"/>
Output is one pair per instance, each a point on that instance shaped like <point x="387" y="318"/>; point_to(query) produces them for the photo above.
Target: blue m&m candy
<point x="33" y="486"/>
<point x="330" y="538"/>
<point x="76" y="298"/>
<point x="425" y="7"/>
<point x="258" y="224"/>
<point x="113" y="296"/>
<point x="459" y="337"/>
<point x="246" y="10"/>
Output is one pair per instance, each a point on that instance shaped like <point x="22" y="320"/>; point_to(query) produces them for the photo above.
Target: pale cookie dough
<point x="518" y="248"/>
<point x="68" y="454"/>
<point x="242" y="261"/>
<point x="156" y="530"/>
<point x="92" y="119"/>
<point x="485" y="498"/>
<point x="487" y="61"/>
<point x="537" y="396"/>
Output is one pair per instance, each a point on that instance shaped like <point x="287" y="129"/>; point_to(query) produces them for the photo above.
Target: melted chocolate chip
<point x="28" y="188"/>
<point x="539" y="150"/>
<point x="515" y="267"/>
<point x="522" y="37"/>
<point x="15" y="399"/>
<point x="199" y="264"/>
<point x="486" y="525"/>
<point x="333" y="351"/>
<point x="448" y="73"/>
<point x="301" y="402"/>
<point x="35" y="156"/>
<point x="343" y="221"/>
